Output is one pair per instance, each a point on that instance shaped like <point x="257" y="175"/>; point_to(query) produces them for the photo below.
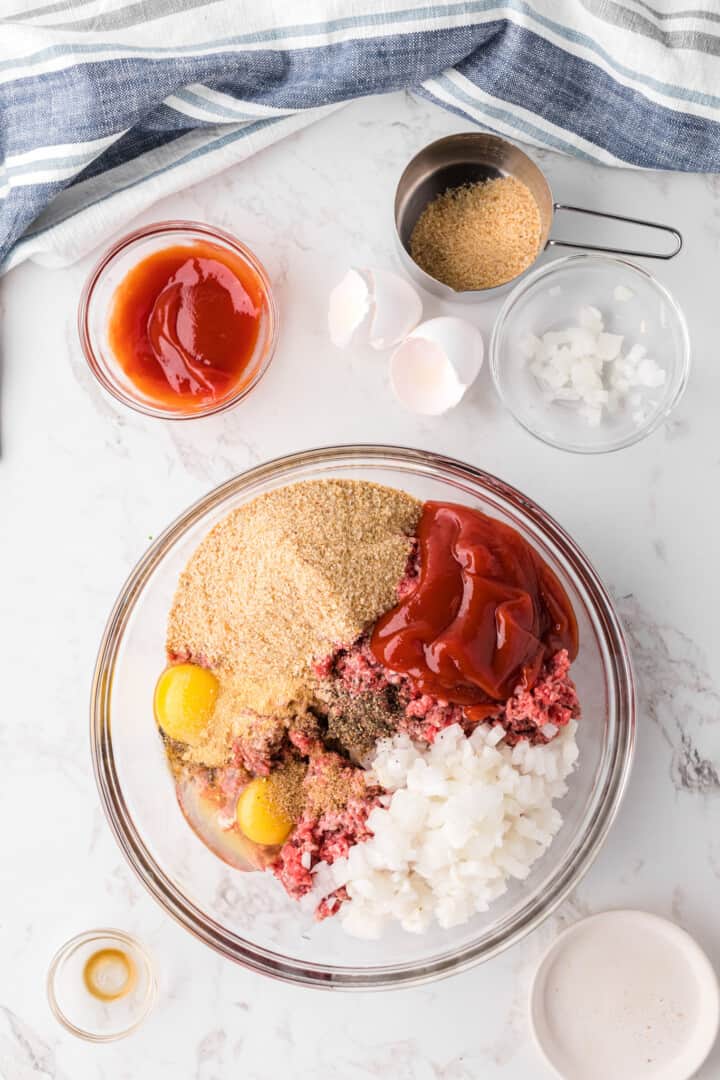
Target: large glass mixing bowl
<point x="246" y="916"/>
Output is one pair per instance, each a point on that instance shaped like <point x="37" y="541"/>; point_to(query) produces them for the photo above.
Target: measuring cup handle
<point x="619" y="217"/>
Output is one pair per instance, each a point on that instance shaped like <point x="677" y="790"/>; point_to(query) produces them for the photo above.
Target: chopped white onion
<point x="591" y="318"/>
<point x="467" y="815"/>
<point x="584" y="367"/>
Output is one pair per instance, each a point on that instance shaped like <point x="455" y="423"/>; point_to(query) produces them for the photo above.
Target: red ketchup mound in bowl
<point x="184" y="325"/>
<point x="485" y="614"/>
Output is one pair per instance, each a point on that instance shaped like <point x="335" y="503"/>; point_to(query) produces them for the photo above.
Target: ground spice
<point x="278" y="582"/>
<point x="286" y="789"/>
<point x="478" y="235"/>
<point x="356" y="721"/>
<point x="330" y="783"/>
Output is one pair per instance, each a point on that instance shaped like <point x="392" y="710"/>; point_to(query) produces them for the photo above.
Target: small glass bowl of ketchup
<point x="178" y="320"/>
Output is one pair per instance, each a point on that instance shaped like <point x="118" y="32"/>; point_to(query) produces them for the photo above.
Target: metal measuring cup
<point x="475" y="156"/>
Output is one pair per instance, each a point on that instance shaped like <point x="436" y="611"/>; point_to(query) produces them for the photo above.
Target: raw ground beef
<point x="425" y="717"/>
<point x="261" y="748"/>
<point x="330" y="905"/>
<point x="551" y="700"/>
<point x="258" y="752"/>
<point x="321" y="839"/>
<point x="357" y="669"/>
<point x="307" y="742"/>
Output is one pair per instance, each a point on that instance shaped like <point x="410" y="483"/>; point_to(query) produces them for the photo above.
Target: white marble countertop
<point x="85" y="484"/>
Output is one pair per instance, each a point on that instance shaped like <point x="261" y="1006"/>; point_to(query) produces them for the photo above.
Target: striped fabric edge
<point x="103" y="16"/>
<point x="525" y="100"/>
<point x="387" y="23"/>
<point x="49" y="164"/>
<point x="105" y="204"/>
<point x="203" y="103"/>
<point x="674" y="30"/>
<point x="696" y="15"/>
<point x="544" y="15"/>
<point x="453" y="91"/>
<point x="207" y="106"/>
<point x="239" y="127"/>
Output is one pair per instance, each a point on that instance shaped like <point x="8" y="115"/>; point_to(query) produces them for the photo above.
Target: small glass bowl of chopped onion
<point x="590" y="353"/>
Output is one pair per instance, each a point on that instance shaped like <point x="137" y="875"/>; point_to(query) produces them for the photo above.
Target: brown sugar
<point x="280" y="582"/>
<point x="478" y="235"/>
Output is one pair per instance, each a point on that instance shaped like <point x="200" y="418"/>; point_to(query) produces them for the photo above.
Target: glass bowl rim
<point x="307" y="973"/>
<point x="161" y="228"/>
<point x="547" y="271"/>
<point x="83" y="938"/>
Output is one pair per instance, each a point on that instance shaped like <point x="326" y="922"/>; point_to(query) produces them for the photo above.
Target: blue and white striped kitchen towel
<point x="107" y="105"/>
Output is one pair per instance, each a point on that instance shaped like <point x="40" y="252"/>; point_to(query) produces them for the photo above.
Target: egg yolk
<point x="257" y="816"/>
<point x="184" y="701"/>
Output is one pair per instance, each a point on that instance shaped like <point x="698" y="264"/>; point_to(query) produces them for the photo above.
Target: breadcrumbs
<point x="281" y="581"/>
<point x="478" y="235"/>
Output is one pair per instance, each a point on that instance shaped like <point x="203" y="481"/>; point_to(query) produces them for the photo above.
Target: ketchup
<point x="184" y="325"/>
<point x="486" y="612"/>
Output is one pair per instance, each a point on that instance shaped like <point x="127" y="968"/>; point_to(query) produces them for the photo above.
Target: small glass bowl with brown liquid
<point x="101" y="985"/>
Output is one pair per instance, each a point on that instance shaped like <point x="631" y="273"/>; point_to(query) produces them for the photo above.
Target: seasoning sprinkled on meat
<point x="552" y="700"/>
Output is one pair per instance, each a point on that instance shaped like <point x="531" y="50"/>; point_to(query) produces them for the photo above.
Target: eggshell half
<point x="348" y="308"/>
<point x="397" y="308"/>
<point x="434" y="366"/>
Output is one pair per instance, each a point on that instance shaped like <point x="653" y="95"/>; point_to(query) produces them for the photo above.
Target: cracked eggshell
<point x="434" y="366"/>
<point x="348" y="308"/>
<point x="397" y="308"/>
<point x="378" y="307"/>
